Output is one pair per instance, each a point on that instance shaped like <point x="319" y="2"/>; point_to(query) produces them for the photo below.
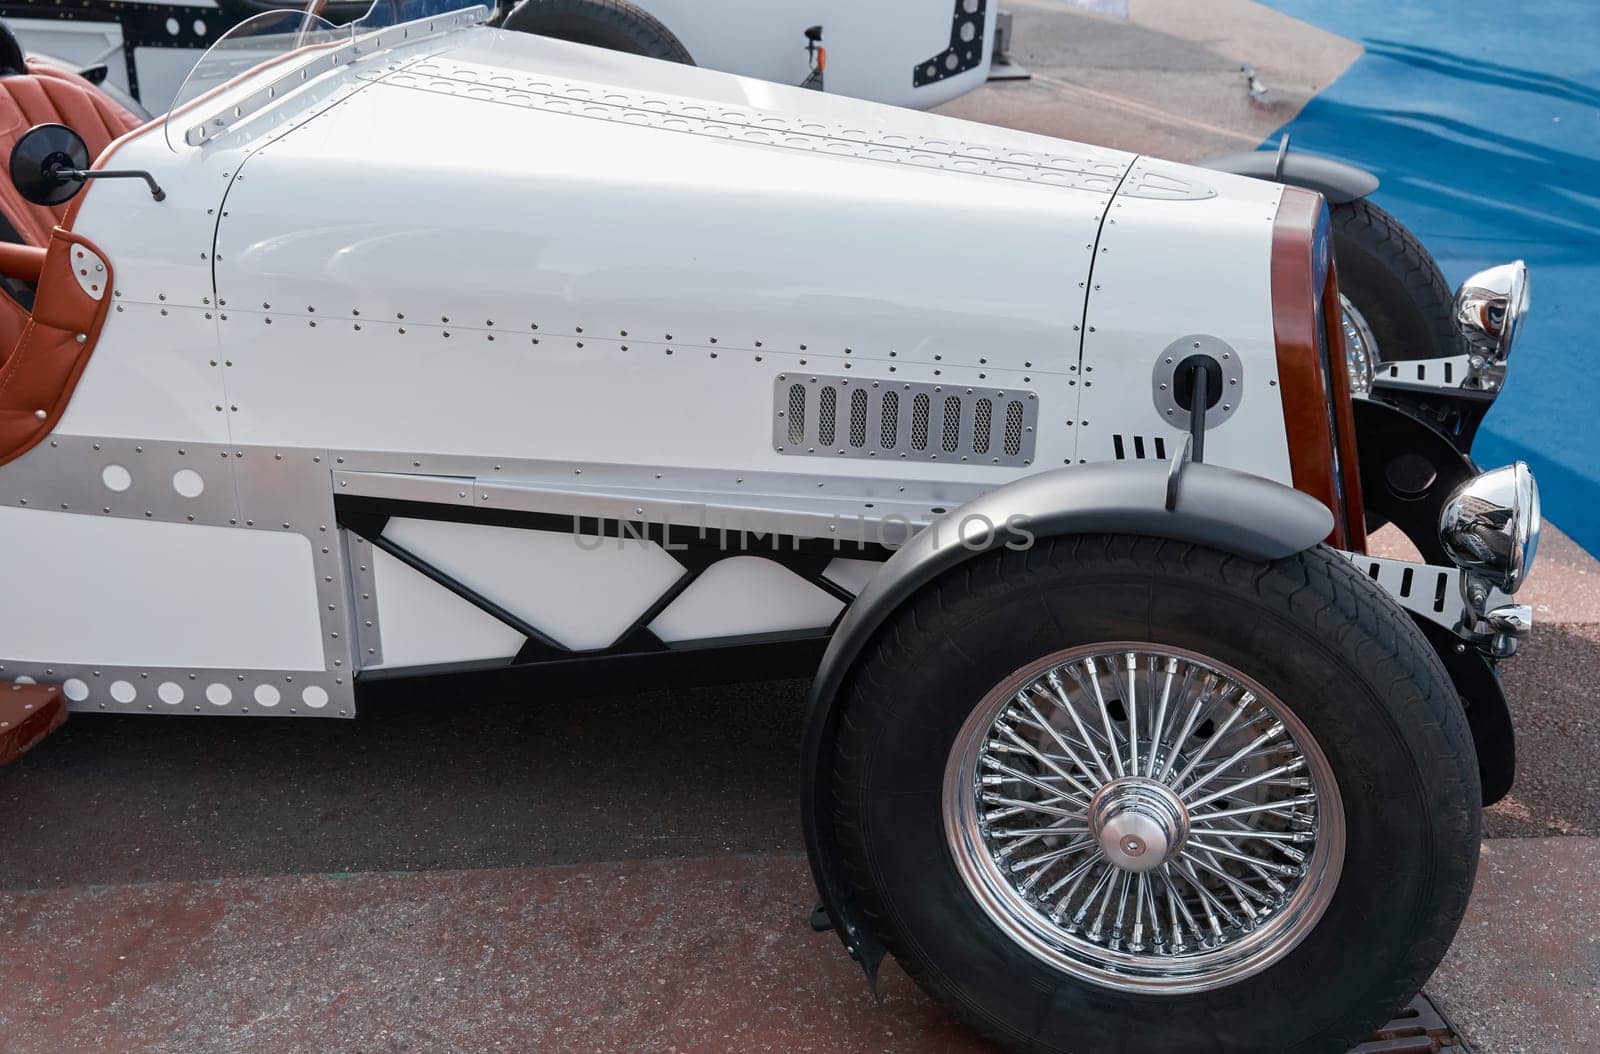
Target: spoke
<point x="1141" y="884"/>
<point x="1285" y="805"/>
<point x="1216" y="737"/>
<point x="1035" y="781"/>
<point x="1293" y="766"/>
<point x="1105" y="714"/>
<point x="1159" y="726"/>
<point x="1072" y="712"/>
<point x="1283" y="870"/>
<point x="1176" y="906"/>
<point x="1233" y="883"/>
<point x="1036" y="832"/>
<point x="1147" y="887"/>
<point x="1076" y="877"/>
<point x="1208" y="899"/>
<point x="1051" y="856"/>
<point x="1094" y="891"/>
<point x="1041" y="759"/>
<point x="1097" y="931"/>
<point x="1048" y="810"/>
<point x="1122" y="909"/>
<point x="1131" y="704"/>
<point x="1207" y="683"/>
<point x="1268" y="736"/>
<point x="1022" y="697"/>
<point x="1271" y="836"/>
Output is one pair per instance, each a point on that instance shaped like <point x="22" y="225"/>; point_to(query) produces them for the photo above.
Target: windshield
<point x="274" y="36"/>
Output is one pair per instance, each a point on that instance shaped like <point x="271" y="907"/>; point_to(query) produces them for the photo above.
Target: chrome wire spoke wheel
<point x="1144" y="818"/>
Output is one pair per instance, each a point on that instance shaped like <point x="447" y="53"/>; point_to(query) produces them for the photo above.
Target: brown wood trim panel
<point x="1298" y="280"/>
<point x="1344" y="418"/>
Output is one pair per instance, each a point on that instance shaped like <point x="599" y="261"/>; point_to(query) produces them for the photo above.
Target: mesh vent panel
<point x="862" y="417"/>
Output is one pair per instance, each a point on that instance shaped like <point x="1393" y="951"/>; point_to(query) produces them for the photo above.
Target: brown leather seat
<point x="46" y="95"/>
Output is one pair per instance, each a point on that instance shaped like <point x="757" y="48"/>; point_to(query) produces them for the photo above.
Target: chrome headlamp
<point x="1490" y="528"/>
<point x="1490" y="307"/>
<point x="1360" y="347"/>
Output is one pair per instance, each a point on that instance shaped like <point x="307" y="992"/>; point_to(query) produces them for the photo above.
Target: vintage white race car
<point x="1118" y="740"/>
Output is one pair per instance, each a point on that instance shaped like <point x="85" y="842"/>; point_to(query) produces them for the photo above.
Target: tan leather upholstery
<point x="38" y="377"/>
<point x="46" y="95"/>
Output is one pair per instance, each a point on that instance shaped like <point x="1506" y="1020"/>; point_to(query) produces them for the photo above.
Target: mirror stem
<point x="65" y="174"/>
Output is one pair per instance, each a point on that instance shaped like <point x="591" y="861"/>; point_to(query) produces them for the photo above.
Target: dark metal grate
<point x="1418" y="1028"/>
<point x="891" y="420"/>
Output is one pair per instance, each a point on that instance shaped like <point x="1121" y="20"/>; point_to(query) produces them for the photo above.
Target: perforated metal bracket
<point x="829" y="416"/>
<point x="247" y="488"/>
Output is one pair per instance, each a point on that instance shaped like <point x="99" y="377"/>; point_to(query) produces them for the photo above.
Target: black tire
<point x="1395" y="284"/>
<point x="614" y="24"/>
<point x="1309" y="628"/>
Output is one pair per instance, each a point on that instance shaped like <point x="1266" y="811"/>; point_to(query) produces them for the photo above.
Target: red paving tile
<point x="710" y="954"/>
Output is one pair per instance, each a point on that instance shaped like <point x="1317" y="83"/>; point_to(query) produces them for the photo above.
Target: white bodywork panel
<point x="493" y="270"/>
<point x="425" y="624"/>
<point x="128" y="593"/>
<point x="583" y="592"/>
<point x="742" y="596"/>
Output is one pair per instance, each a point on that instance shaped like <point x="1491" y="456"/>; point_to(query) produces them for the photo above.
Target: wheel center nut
<point x="1139" y="823"/>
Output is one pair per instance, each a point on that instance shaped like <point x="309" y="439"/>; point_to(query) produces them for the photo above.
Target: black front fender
<point x="1219" y="507"/>
<point x="1335" y="180"/>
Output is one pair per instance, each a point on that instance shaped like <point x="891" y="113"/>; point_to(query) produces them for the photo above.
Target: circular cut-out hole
<point x="75" y="689"/>
<point x="116" y="478"/>
<point x="219" y="694"/>
<point x="25" y="679"/>
<point x="123" y="692"/>
<point x="173" y="27"/>
<point x="267" y="695"/>
<point x="170" y="693"/>
<point x="314" y="697"/>
<point x="188" y="482"/>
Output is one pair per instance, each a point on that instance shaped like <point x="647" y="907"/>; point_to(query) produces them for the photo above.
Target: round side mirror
<point x="41" y="161"/>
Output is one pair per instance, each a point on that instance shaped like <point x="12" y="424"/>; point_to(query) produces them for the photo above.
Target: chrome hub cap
<point x="1139" y="823"/>
<point x="1144" y="818"/>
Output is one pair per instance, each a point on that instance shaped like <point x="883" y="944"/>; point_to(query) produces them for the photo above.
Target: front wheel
<point x="1125" y="794"/>
<point x="1397" y="305"/>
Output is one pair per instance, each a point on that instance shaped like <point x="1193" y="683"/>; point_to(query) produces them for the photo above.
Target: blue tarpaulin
<point x="1483" y="121"/>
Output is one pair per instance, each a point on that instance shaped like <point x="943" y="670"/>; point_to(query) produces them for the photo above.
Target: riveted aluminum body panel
<point x="331" y="302"/>
<point x="1169" y="269"/>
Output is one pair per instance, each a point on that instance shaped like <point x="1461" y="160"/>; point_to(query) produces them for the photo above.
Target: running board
<point x="28" y="713"/>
